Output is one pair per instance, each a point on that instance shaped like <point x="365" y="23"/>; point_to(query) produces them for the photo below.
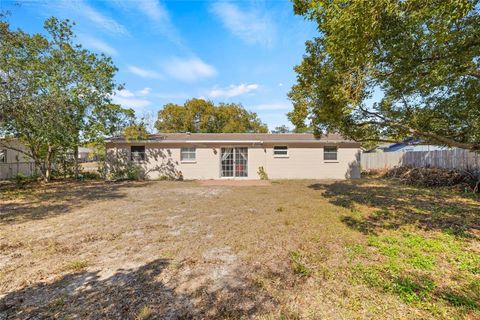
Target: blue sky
<point x="171" y="51"/>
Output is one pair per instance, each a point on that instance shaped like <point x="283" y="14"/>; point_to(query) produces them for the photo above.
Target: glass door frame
<point x="235" y="162"/>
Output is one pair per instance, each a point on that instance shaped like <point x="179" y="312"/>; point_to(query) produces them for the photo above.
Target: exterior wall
<point x="308" y="163"/>
<point x="14" y="156"/>
<point x="301" y="163"/>
<point x="16" y="162"/>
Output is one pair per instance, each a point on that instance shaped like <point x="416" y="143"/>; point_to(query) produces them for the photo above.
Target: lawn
<point x="292" y="250"/>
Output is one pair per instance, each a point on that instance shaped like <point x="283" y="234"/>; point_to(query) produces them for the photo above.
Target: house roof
<point x="239" y="137"/>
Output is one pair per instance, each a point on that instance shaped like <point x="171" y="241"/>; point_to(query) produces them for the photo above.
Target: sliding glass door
<point x="234" y="162"/>
<point x="227" y="161"/>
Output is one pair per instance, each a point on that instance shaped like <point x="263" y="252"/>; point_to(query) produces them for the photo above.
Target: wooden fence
<point x="447" y="159"/>
<point x="10" y="170"/>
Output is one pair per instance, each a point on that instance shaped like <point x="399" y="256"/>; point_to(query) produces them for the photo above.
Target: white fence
<point x="447" y="159"/>
<point x="10" y="170"/>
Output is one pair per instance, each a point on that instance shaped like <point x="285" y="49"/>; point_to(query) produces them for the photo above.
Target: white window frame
<point x="283" y="152"/>
<point x="3" y="159"/>
<point x="325" y="152"/>
<point x="188" y="151"/>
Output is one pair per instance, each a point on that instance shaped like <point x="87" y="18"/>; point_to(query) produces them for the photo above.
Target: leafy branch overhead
<point x="420" y="58"/>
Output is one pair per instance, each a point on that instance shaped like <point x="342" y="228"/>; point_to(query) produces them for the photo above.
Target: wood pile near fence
<point x="459" y="159"/>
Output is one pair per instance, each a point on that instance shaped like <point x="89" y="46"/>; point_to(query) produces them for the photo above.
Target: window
<point x="330" y="153"/>
<point x="3" y="155"/>
<point x="137" y="153"/>
<point x="280" y="151"/>
<point x="187" y="154"/>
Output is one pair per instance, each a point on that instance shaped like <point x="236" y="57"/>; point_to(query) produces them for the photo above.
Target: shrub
<point x="124" y="170"/>
<point x="20" y="179"/>
<point x="133" y="172"/>
<point x="262" y="173"/>
<point x="91" y="175"/>
<point x="144" y="313"/>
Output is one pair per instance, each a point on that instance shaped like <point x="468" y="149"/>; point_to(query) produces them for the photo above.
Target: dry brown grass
<point x="295" y="249"/>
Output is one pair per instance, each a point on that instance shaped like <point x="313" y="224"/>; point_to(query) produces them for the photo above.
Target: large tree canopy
<point x="54" y="94"/>
<point x="422" y="58"/>
<point x="198" y="115"/>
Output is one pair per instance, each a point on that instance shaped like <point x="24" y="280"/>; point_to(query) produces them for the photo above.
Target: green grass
<point x="76" y="265"/>
<point x="467" y="261"/>
<point x="420" y="269"/>
<point x="297" y="259"/>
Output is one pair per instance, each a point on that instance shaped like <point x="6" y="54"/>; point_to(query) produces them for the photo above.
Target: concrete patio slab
<point x="235" y="183"/>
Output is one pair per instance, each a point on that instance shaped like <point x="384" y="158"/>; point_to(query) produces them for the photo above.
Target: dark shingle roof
<point x="233" y="137"/>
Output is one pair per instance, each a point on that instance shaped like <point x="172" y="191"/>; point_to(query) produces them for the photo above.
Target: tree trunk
<point x="76" y="166"/>
<point x="47" y="174"/>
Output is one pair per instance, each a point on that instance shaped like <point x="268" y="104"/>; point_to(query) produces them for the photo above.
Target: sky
<point x="171" y="51"/>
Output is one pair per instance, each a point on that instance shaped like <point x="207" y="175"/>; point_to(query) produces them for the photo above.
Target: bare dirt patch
<point x="294" y="249"/>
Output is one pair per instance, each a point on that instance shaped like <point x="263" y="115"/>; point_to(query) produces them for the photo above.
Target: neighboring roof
<point x="238" y="137"/>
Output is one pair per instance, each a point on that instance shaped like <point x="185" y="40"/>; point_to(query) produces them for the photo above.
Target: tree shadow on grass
<point x="59" y="197"/>
<point x="86" y="295"/>
<point x="398" y="205"/>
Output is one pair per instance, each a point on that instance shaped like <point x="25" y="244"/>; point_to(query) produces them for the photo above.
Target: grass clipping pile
<point x="436" y="177"/>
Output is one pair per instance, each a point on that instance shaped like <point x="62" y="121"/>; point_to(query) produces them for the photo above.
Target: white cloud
<point x="251" y="26"/>
<point x="97" y="44"/>
<point x="273" y="106"/>
<point x="189" y="69"/>
<point x="144" y="73"/>
<point x="156" y="12"/>
<point x="153" y="9"/>
<point x="125" y="93"/>
<point x="101" y="20"/>
<point x="233" y="90"/>
<point x="280" y="84"/>
<point x="75" y="9"/>
<point x="127" y="99"/>
<point x="144" y="91"/>
<point x="173" y="95"/>
<point x="136" y="104"/>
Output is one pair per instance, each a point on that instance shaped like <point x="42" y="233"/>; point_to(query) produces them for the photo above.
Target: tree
<point x="55" y="95"/>
<point x="422" y="58"/>
<point x="281" y="129"/>
<point x="198" y="115"/>
<point x="136" y="131"/>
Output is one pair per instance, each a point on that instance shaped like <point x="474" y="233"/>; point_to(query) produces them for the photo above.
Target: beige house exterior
<point x="238" y="156"/>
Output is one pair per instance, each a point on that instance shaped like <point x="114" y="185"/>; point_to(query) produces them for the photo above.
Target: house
<point x="407" y="145"/>
<point x="238" y="156"/>
<point x="87" y="154"/>
<point x="12" y="161"/>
